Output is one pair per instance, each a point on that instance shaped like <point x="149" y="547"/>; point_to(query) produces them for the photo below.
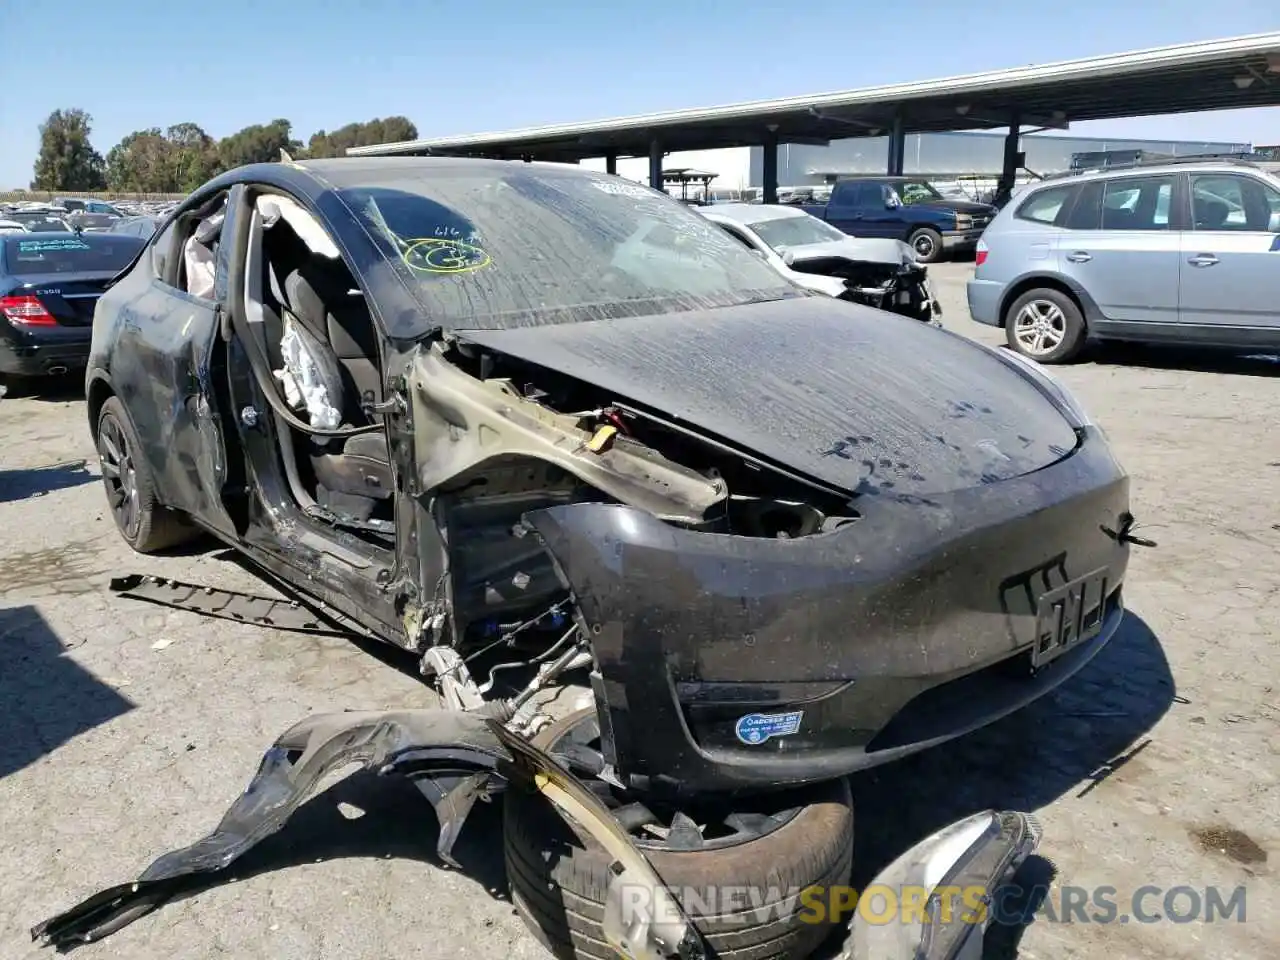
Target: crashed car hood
<point x="858" y="249"/>
<point x="852" y="397"/>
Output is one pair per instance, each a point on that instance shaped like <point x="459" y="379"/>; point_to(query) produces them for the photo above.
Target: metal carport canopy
<point x="1212" y="75"/>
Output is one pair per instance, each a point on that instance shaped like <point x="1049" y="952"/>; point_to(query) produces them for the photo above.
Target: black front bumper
<point x="906" y="628"/>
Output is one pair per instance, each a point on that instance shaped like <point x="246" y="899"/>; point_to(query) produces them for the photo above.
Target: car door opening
<point x="314" y="329"/>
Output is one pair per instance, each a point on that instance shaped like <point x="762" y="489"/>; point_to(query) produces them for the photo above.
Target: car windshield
<point x="529" y="246"/>
<point x="795" y="231"/>
<point x="101" y="253"/>
<point x="917" y="191"/>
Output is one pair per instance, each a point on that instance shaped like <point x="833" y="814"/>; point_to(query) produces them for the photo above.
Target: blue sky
<point x="461" y="66"/>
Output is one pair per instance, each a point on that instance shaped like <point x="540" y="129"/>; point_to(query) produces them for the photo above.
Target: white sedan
<point x="878" y="272"/>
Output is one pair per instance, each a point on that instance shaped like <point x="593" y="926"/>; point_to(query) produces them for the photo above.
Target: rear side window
<point x="1046" y="206"/>
<point x="1087" y="212"/>
<point x="862" y="195"/>
<point x="1128" y="203"/>
<point x="1137" y="203"/>
<point x="71" y="254"/>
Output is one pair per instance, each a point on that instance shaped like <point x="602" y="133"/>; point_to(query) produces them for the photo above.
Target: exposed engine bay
<point x="564" y="442"/>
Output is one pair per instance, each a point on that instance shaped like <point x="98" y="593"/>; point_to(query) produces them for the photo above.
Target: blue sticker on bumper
<point x="756" y="728"/>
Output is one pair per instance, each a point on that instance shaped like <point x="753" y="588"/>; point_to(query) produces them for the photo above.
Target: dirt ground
<point x="126" y="730"/>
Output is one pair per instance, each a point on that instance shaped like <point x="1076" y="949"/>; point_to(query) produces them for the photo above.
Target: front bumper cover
<point x="908" y="627"/>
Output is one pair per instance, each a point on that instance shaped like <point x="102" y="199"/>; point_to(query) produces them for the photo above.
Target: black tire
<point x="926" y="243"/>
<point x="559" y="884"/>
<point x="131" y="494"/>
<point x="1057" y="317"/>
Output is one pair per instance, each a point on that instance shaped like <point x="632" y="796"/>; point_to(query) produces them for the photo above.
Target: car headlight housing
<point x="964" y="221"/>
<point x="959" y="868"/>
<point x="1051" y="386"/>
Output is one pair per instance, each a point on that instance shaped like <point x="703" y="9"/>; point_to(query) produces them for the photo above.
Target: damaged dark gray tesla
<point x="537" y="424"/>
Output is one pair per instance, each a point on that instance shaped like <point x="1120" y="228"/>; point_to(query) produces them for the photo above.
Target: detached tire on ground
<point x="131" y="494"/>
<point x="1046" y="325"/>
<point x="559" y="883"/>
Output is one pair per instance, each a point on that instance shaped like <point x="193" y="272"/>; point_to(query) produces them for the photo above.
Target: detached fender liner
<point x="416" y="743"/>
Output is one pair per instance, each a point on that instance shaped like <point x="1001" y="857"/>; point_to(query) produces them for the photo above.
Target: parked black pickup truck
<point x="905" y="208"/>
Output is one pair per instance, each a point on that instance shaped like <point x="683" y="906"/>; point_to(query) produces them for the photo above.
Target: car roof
<point x="1148" y="170"/>
<point x="365" y="171"/>
<point x="755" y="212"/>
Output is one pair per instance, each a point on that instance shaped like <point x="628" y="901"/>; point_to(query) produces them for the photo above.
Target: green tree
<point x="193" y="156"/>
<point x="259" y="143"/>
<point x="175" y="161"/>
<point x="140" y="162"/>
<point x="377" y="130"/>
<point x="67" y="160"/>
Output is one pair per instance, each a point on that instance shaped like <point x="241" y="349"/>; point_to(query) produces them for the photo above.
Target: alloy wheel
<point x="1040" y="327"/>
<point x="657" y="825"/>
<point x="924" y="246"/>
<point x="119" y="476"/>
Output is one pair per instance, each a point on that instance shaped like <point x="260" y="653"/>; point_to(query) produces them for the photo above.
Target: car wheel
<point x="926" y="243"/>
<point x="131" y="494"/>
<point x="1045" y="325"/>
<point x="736" y="872"/>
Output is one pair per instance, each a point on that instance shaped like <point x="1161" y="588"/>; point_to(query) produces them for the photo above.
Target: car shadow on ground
<point x="1252" y="363"/>
<point x="1066" y="742"/>
<point x="372" y="817"/>
<point x="363" y="816"/>
<point x="59" y="389"/>
<point x="405" y="661"/>
<point x="46" y="698"/>
<point x="37" y="481"/>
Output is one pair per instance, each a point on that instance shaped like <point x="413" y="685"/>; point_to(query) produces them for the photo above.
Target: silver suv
<point x="1175" y="252"/>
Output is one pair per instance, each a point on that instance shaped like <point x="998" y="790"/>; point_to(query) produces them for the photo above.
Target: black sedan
<point x="49" y="286"/>
<point x="469" y="404"/>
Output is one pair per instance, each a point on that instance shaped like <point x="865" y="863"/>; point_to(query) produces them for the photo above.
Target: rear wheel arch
<point x="1016" y="289"/>
<point x="98" y="393"/>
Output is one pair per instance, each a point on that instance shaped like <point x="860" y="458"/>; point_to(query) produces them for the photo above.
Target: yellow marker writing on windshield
<point x="442" y="255"/>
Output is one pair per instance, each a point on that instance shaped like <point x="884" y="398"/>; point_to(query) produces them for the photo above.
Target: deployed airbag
<point x="309" y="377"/>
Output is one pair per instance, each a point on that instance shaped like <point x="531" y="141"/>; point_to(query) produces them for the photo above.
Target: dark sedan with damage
<point x="536" y="423"/>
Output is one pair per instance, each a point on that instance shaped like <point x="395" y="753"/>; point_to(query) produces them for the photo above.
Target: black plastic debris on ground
<point x="275" y="612"/>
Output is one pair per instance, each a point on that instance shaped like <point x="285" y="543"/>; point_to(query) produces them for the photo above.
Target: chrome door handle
<point x="1203" y="260"/>
<point x="1079" y="257"/>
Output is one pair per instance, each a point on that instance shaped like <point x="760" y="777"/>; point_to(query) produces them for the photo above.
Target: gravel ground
<point x="128" y="729"/>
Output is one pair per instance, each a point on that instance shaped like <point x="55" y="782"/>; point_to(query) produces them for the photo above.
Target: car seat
<point x="1211" y="213"/>
<point x="333" y="323"/>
